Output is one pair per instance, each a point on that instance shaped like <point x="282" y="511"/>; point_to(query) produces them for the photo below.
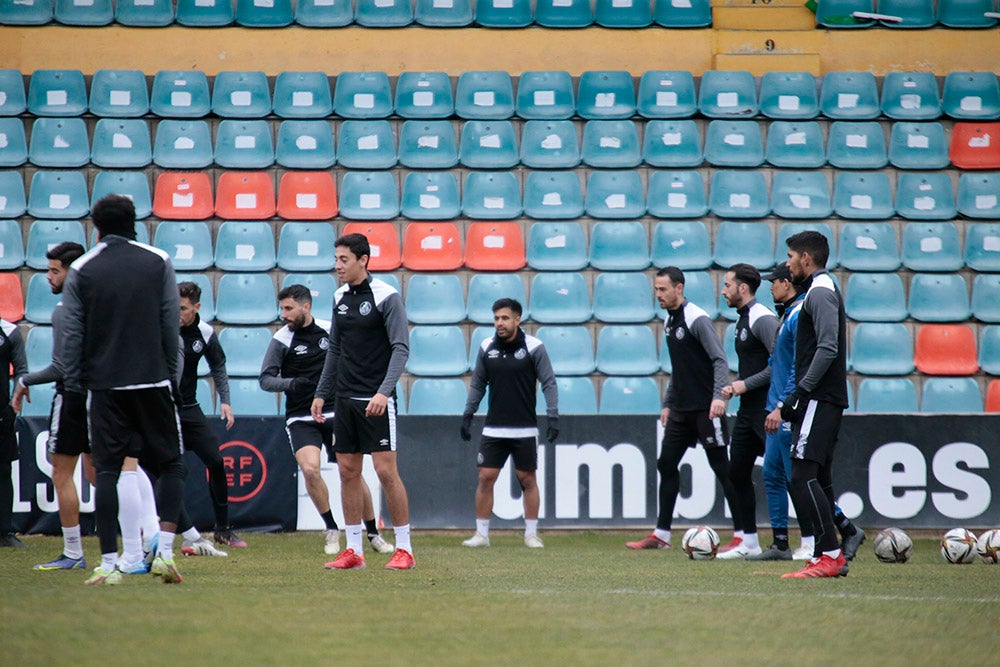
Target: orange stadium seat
<point x="11" y="297"/>
<point x="383" y="237"/>
<point x="245" y="195"/>
<point x="494" y="246"/>
<point x="307" y="195"/>
<point x="993" y="396"/>
<point x="183" y="196"/>
<point x="432" y="246"/>
<point x="946" y="349"/>
<point x="975" y="145"/>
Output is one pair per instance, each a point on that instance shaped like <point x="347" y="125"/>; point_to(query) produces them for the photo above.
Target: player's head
<point x="740" y="285"/>
<point x="352" y="254"/>
<point x="782" y="287"/>
<point x="507" y="317"/>
<point x="60" y="257"/>
<point x="807" y="251"/>
<point x="669" y="287"/>
<point x="190" y="302"/>
<point x="296" y="306"/>
<point x="114" y="214"/>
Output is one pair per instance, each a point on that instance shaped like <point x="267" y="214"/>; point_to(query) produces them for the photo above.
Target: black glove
<point x="794" y="406"/>
<point x="465" y="430"/>
<point x="552" y="432"/>
<point x="301" y="384"/>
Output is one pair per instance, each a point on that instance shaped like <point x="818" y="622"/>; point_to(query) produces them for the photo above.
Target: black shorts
<point x="493" y="453"/>
<point x="356" y="433"/>
<point x="142" y="423"/>
<point x="748" y="432"/>
<point x="687" y="429"/>
<point x="198" y="435"/>
<point x="68" y="427"/>
<point x="815" y="437"/>
<point x="306" y="432"/>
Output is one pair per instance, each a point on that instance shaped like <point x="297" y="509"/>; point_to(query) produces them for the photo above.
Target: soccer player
<point x="369" y="344"/>
<point x="11" y="354"/>
<point x="511" y="364"/>
<point x="755" y="330"/>
<point x="121" y="347"/>
<point x="293" y="364"/>
<point x="816" y="404"/>
<point x="693" y="408"/>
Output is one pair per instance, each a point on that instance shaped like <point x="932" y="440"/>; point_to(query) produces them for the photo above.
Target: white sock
<point x="148" y="517"/>
<point x="191" y="534"/>
<point x="165" y="545"/>
<point x="531" y="526"/>
<point x="738" y="534"/>
<point x="662" y="535"/>
<point x="402" y="534"/>
<point x="129" y="511"/>
<point x="109" y="561"/>
<point x="835" y="554"/>
<point x="809" y="542"/>
<point x="72" y="546"/>
<point x="750" y="541"/>
<point x="483" y="527"/>
<point x="354" y="541"/>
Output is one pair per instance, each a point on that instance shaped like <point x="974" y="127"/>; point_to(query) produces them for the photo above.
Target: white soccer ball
<point x="958" y="546"/>
<point x="893" y="545"/>
<point x="700" y="543"/>
<point x="988" y="546"/>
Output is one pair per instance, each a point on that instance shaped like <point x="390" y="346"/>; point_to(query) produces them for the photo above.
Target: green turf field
<point x="584" y="600"/>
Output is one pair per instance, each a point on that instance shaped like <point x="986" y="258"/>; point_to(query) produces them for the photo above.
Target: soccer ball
<point x="700" y="543"/>
<point x="892" y="545"/>
<point x="988" y="546"/>
<point x="959" y="546"/>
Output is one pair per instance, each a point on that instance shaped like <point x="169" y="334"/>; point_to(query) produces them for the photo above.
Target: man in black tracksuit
<point x="511" y="364"/>
<point x="11" y="354"/>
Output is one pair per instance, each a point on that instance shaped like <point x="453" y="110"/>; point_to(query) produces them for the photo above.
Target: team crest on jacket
<point x="324" y="343"/>
<point x="743" y="334"/>
<point x="679" y="333"/>
<point x="365" y="308"/>
<point x="520" y="354"/>
<point x="197" y="346"/>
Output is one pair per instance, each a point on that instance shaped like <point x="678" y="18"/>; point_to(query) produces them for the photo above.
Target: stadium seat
<point x="974" y="146"/>
<point x="993" y="397"/>
<point x="554" y="195"/>
<point x="183" y="196"/>
<point x="264" y="13"/>
<point x="12" y="98"/>
<point x="132" y="184"/>
<point x="546" y="95"/>
<point x="479" y="334"/>
<point x="242" y="94"/>
<point x="83" y="13"/>
<point x="748" y="242"/>
<point x="918" y="146"/>
<point x="727" y="94"/>
<point x="205" y="13"/>
<point x="863" y="195"/>
<point x="246" y="298"/>
<point x="38" y="348"/>
<point x="13" y="202"/>
<point x="57" y="92"/>
<point x="26" y="12"/>
<point x="141" y="231"/>
<point x="305" y="144"/>
<point x="428" y="144"/>
<point x="734" y="143"/>
<point x="245" y="246"/>
<point x="432" y="246"/>
<point x="443" y="13"/>
<point x="488" y="144"/>
<point x="626" y="350"/>
<point x="789" y="95"/>
<point x="850" y="95"/>
<point x="491" y="196"/>
<point x="681" y="243"/>
<point x="966" y="13"/>
<point x="43" y="234"/>
<point x="549" y="144"/>
<point x="882" y="349"/>
<point x="307" y="195"/>
<point x="875" y="297"/>
<point x="430" y="195"/>
<point x="180" y="93"/>
<point x="887" y="395"/>
<point x="245" y="347"/>
<point x="366" y="144"/>
<point x="560" y="298"/>
<point x="58" y="194"/>
<point x="324" y="13"/>
<point x="910" y="95"/>
<point x="383" y="13"/>
<point x="605" y="95"/>
<point x="486" y="288"/>
<point x="925" y="196"/>
<point x="245" y="195"/>
<point x="13" y="143"/>
<point x="494" y="246"/>
<point x="207" y="311"/>
<point x="363" y="94"/>
<point x="576" y="397"/>
<point x="304" y="246"/>
<point x="868" y="246"/>
<point x="796" y="145"/>
<point x="619" y="246"/>
<point x="939" y="297"/>
<point x="982" y="246"/>
<point x="369" y="196"/>
<point x="437" y="351"/>
<point x="931" y="246"/>
<point x="672" y="143"/>
<point x="41" y="401"/>
<point x="503" y="13"/>
<point x="729" y="343"/>
<point x="437" y="396"/>
<point x="303" y="95"/>
<point x="383" y="237"/>
<point x="11" y="245"/>
<point x="856" y="145"/>
<point x="570" y="348"/>
<point x="611" y="144"/>
<point x="666" y="94"/>
<point x="321" y="288"/>
<point x="11" y="297"/>
<point x="682" y="13"/>
<point x="839" y="13"/>
<point x="40" y="302"/>
<point x="622" y="13"/>
<point x="424" y="95"/>
<point x="484" y="95"/>
<point x="435" y="298"/>
<point x="121" y="93"/>
<point x="249" y="399"/>
<point x="244" y="144"/>
<point x="676" y="194"/>
<point x="556" y="246"/>
<point x="800" y="194"/>
<point x="623" y="297"/>
<point x="912" y="13"/>
<point x="989" y="349"/>
<point x="787" y="229"/>
<point x="630" y="396"/>
<point x="144" y="13"/>
<point x="951" y="395"/>
<point x="188" y="243"/>
<point x="970" y="95"/>
<point x="563" y="13"/>
<point x="183" y="144"/>
<point x="615" y="194"/>
<point x="986" y="297"/>
<point x="59" y="142"/>
<point x="739" y="194"/>
<point x="120" y="143"/>
<point x="977" y="195"/>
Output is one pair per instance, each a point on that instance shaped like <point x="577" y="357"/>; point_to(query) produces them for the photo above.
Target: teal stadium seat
<point x="939" y="297"/>
<point x="849" y="95"/>
<point x="41" y="401"/>
<point x="982" y="246"/>
<point x="971" y="95"/>
<point x="630" y="396"/>
<point x="383" y="13"/>
<point x="986" y="297"/>
<point x="910" y="95"/>
<point x="729" y="344"/>
<point x="428" y="144"/>
<point x="951" y="396"/>
<point x="863" y="195"/>
<point x="244" y="144"/>
<point x="978" y="195"/>
<point x="58" y="194"/>
<point x="26" y="12"/>
<point x="59" y="142"/>
<point x="11" y="245"/>
<point x="242" y="94"/>
<point x="681" y="243"/>
<point x="626" y="350"/>
<point x="183" y="144"/>
<point x="443" y="13"/>
<point x="437" y="396"/>
<point x="144" y="13"/>
<point x="305" y="144"/>
<point x="321" y="288"/>
<point x="727" y="94"/>
<point x="121" y="143"/>
<point x="854" y="145"/>
<point x="324" y="13"/>
<point x="205" y="13"/>
<point x="503" y="13"/>
<point x="839" y="13"/>
<point x="570" y="348"/>
<point x="13" y="203"/>
<point x="12" y="98"/>
<point x="615" y="194"/>
<point x="366" y="144"/>
<point x="700" y="290"/>
<point x="545" y="95"/>
<point x="207" y="400"/>
<point x="676" y="194"/>
<point x="491" y="196"/>
<point x="682" y="13"/>
<point x="549" y="144"/>
<point x="795" y="144"/>
<point x="789" y="95"/>
<point x="488" y="144"/>
<point x="13" y="143"/>
<point x="747" y="242"/>
<point x="622" y="13"/>
<point x="918" y="145"/>
<point x="623" y="297"/>
<point x="486" y="288"/>
<point x="966" y="13"/>
<point x="790" y="228"/>
<point x="611" y="144"/>
<point x="180" y="93"/>
<point x="207" y="311"/>
<point x="264" y="13"/>
<point x="304" y="246"/>
<point x="734" y="143"/>
<point x="246" y="298"/>
<point x="43" y="234"/>
<point x="484" y="95"/>
<point x="189" y="244"/>
<point x="875" y="297"/>
<point x="882" y="349"/>
<point x="672" y="144"/>
<point x="887" y="395"/>
<point x="925" y="196"/>
<point x="800" y="194"/>
<point x="435" y="298"/>
<point x="57" y="92"/>
<point x="249" y="399"/>
<point x="245" y="347"/>
<point x="38" y="348"/>
<point x="619" y="246"/>
<point x="739" y="194"/>
<point x="553" y="195"/>
<point x="245" y="246"/>
<point x="666" y="94"/>
<point x="363" y="94"/>
<point x="120" y="93"/>
<point x="424" y="95"/>
<point x="560" y="298"/>
<point x="84" y="13"/>
<point x="556" y="246"/>
<point x="430" y="196"/>
<point x="303" y="94"/>
<point x="869" y="246"/>
<point x="913" y="13"/>
<point x="605" y="95"/>
<point x="989" y="349"/>
<point x="576" y="397"/>
<point x="132" y="184"/>
<point x="40" y="301"/>
<point x="437" y="351"/>
<point x="563" y="14"/>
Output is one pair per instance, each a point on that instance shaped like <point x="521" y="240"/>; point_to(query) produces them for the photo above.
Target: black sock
<point x="371" y="528"/>
<point x="844" y="524"/>
<point x="331" y="523"/>
<point x="780" y="541"/>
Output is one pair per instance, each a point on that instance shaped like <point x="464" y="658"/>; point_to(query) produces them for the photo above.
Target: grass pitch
<point x="583" y="600"/>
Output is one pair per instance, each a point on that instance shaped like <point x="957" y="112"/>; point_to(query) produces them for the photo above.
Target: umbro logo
<point x="301" y="349"/>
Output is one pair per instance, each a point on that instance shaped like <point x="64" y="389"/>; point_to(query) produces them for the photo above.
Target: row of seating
<point x="489" y="95"/>
<point x="483" y="144"/>
<point x="367" y="13"/>
<point x="907" y="14"/>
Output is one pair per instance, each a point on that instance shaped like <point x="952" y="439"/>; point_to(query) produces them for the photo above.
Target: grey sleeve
<point x="17" y="356"/>
<point x="269" y="380"/>
<point x="394" y="315"/>
<point x="822" y="304"/>
<point x="668" y="396"/>
<point x="477" y="387"/>
<point x="328" y="378"/>
<point x="216" y="357"/>
<point x="170" y="322"/>
<point x="72" y="342"/>
<point x="709" y="338"/>
<point x="766" y="330"/>
<point x="547" y="379"/>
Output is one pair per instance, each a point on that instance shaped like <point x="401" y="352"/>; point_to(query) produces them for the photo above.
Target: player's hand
<point x="773" y="421"/>
<point x="794" y="407"/>
<point x="20" y="392"/>
<point x="377" y="406"/>
<point x="664" y="415"/>
<point x="226" y="415"/>
<point x="738" y="388"/>
<point x="465" y="430"/>
<point x="727" y="392"/>
<point x="317" y="410"/>
<point x="717" y="409"/>
<point x="552" y="432"/>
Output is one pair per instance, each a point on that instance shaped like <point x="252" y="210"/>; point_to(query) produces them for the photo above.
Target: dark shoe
<point x="228" y="538"/>
<point x="852" y="543"/>
<point x="10" y="540"/>
<point x="772" y="553"/>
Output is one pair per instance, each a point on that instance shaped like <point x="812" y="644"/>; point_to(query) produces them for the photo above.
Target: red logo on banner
<point x="246" y="470"/>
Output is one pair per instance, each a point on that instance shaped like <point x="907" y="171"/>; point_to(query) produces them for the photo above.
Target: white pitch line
<point x="746" y="594"/>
